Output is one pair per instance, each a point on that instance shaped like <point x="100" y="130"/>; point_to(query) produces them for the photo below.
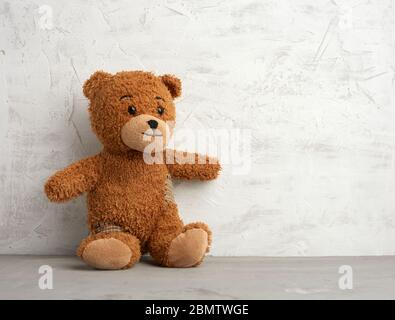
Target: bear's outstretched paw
<point x="188" y="248"/>
<point x="110" y="250"/>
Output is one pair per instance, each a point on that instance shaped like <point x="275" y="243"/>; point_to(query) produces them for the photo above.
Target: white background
<point x="313" y="81"/>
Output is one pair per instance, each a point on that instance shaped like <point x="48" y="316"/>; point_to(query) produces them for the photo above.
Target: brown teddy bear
<point x="130" y="202"/>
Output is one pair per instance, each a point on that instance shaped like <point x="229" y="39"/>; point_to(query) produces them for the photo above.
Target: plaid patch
<point x="104" y="227"/>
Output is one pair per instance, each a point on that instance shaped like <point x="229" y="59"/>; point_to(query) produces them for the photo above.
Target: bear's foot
<point x="110" y="250"/>
<point x="188" y="248"/>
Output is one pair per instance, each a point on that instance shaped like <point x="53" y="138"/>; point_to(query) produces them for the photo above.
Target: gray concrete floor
<point x="217" y="278"/>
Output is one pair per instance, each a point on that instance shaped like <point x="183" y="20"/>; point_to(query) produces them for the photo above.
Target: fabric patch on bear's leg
<point x="104" y="227"/>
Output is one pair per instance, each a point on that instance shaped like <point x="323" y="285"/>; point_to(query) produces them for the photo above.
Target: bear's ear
<point x="93" y="83"/>
<point x="173" y="84"/>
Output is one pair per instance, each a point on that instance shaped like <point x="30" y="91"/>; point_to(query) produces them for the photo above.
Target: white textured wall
<point x="312" y="79"/>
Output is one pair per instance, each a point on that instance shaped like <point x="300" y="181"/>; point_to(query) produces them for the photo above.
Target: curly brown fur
<point x="76" y="179"/>
<point x="123" y="189"/>
<point x="202" y="166"/>
<point x="168" y="226"/>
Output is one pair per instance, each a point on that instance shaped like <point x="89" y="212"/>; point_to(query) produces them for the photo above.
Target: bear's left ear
<point x="93" y="83"/>
<point x="173" y="84"/>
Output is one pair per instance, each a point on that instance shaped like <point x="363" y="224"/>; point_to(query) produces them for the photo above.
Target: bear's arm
<point x="74" y="180"/>
<point x="185" y="165"/>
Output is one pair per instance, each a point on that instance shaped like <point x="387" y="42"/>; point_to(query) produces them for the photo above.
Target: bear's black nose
<point x="153" y="124"/>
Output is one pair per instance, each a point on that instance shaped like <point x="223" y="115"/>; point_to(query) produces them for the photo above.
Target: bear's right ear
<point x="93" y="83"/>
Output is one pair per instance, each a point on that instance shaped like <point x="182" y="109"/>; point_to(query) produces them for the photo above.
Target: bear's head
<point x="132" y="109"/>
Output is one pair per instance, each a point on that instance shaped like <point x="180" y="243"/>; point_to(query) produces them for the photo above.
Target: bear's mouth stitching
<point x="152" y="134"/>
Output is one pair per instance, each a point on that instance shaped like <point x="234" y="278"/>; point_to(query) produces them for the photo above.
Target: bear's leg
<point x="174" y="245"/>
<point x="110" y="250"/>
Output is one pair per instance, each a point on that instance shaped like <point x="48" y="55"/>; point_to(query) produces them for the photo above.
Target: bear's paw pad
<point x="188" y="249"/>
<point x="108" y="254"/>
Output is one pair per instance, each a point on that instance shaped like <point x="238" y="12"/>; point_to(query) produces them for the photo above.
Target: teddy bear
<point x="131" y="207"/>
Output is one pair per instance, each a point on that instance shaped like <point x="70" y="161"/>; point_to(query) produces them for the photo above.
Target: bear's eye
<point x="160" y="110"/>
<point x="132" y="110"/>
